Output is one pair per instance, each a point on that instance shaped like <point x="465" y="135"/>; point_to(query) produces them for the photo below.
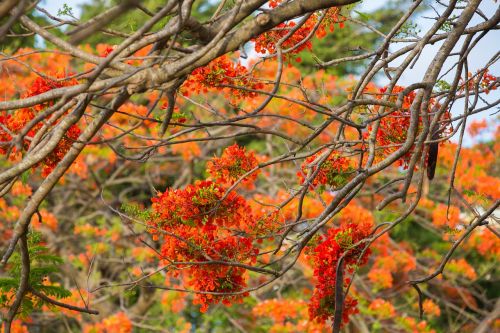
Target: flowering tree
<point x="194" y="162"/>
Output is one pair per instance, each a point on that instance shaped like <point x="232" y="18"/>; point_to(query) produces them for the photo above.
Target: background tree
<point x="153" y="178"/>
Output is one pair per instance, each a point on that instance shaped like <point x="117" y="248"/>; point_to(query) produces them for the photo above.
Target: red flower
<point x="233" y="164"/>
<point x="13" y="124"/>
<point x="335" y="171"/>
<point x="393" y="128"/>
<point x="485" y="81"/>
<point x="199" y="224"/>
<point x="266" y="42"/>
<point x="222" y="72"/>
<point x="325" y="256"/>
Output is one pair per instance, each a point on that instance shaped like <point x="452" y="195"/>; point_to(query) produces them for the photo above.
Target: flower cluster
<point x="411" y="325"/>
<point x="382" y="308"/>
<point x="219" y="73"/>
<point x="300" y="39"/>
<point x="431" y="308"/>
<point x="51" y="161"/>
<point x="117" y="323"/>
<point x="12" y="124"/>
<point x="331" y="18"/>
<point x="173" y="302"/>
<point x="288" y="315"/>
<point x="17" y="327"/>
<point x="209" y="233"/>
<point x="201" y="218"/>
<point x="337" y="243"/>
<point x="233" y="164"/>
<point x="266" y="43"/>
<point x="280" y="310"/>
<point x="489" y="82"/>
<point x="201" y="204"/>
<point x="485" y="242"/>
<point x="104" y="49"/>
<point x="397" y="263"/>
<point x="44" y="84"/>
<point x="444" y="215"/>
<point x="476" y="127"/>
<point x="484" y="81"/>
<point x="462" y="267"/>
<point x="393" y="128"/>
<point x="335" y="171"/>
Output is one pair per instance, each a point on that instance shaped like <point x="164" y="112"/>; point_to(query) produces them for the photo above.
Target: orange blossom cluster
<point x="219" y="73"/>
<point x="393" y="129"/>
<point x="13" y="124"/>
<point x="335" y="170"/>
<point x="266" y="42"/>
<point x="234" y="163"/>
<point x="326" y="255"/>
<point x="202" y="228"/>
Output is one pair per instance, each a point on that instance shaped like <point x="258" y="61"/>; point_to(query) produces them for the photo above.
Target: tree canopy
<point x="249" y="166"/>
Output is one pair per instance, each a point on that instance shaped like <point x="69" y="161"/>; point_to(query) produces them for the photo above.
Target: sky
<point x="481" y="54"/>
<point x="53" y="6"/>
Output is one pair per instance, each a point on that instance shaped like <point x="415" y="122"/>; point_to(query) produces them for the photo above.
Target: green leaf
<point x="362" y="15"/>
<point x="65" y="11"/>
<point x="55" y="291"/>
<point x="43" y="267"/>
<point x="25" y="176"/>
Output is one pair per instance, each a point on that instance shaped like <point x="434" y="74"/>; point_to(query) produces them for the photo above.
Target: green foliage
<point x="442" y="85"/>
<point x="14" y="43"/>
<point x="135" y="211"/>
<point x="65" y="11"/>
<point x="448" y="24"/>
<point x="25" y="176"/>
<point x="134" y="18"/>
<point x="43" y="268"/>
<point x="409" y="29"/>
<point x="352" y="40"/>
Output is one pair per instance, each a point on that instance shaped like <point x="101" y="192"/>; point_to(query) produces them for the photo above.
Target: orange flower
<point x="117" y="323"/>
<point x="477" y="126"/>
<point x="431" y="308"/>
<point x="335" y="170"/>
<point x="288" y="315"/>
<point x="173" y="301"/>
<point x="48" y="220"/>
<point x="297" y="42"/>
<point x="188" y="150"/>
<point x="381" y="278"/>
<point x="337" y="243"/>
<point x="199" y="216"/>
<point x="485" y="242"/>
<point x="442" y="216"/>
<point x="17" y="326"/>
<point x="14" y="123"/>
<point x="20" y="189"/>
<point x="219" y="73"/>
<point x="392" y="131"/>
<point x="462" y="267"/>
<point x="382" y="308"/>
<point x="233" y="164"/>
<point x="411" y="325"/>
